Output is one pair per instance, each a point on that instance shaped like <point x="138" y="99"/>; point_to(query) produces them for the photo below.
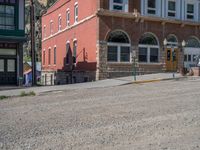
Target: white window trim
<point x="148" y="53"/>
<point x="68" y="17"/>
<point x="75" y="15"/>
<point x="59" y="23"/>
<point x="51" y="27"/>
<point x="186" y="13"/>
<point x="119" y="52"/>
<point x="148" y="8"/>
<point x="124" y="9"/>
<point x="171" y="11"/>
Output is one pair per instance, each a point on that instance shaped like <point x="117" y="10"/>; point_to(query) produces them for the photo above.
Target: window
<point x="171" y="8"/>
<point x="151" y="7"/>
<point x="119" y="5"/>
<point x="112" y="53"/>
<point x="148" y="49"/>
<point x="118" y="47"/>
<point x="59" y="23"/>
<point x="185" y="57"/>
<point x="189" y="58"/>
<point x="125" y="54"/>
<point x="51" y="27"/>
<point x="76" y="13"/>
<point x="49" y="57"/>
<point x="44" y="31"/>
<point x="7" y="16"/>
<point x="44" y="57"/>
<point x="54" y="55"/>
<point x="68" y="18"/>
<point x="142" y="54"/>
<point x="74" y="51"/>
<point x="190" y="12"/>
<point x="68" y="53"/>
<point x="193" y="42"/>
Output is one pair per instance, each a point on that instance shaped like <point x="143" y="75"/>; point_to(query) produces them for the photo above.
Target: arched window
<point x="118" y="47"/>
<point x="148" y="39"/>
<point x="118" y="37"/>
<point x="193" y="42"/>
<point x="148" y="49"/>
<point x="172" y="38"/>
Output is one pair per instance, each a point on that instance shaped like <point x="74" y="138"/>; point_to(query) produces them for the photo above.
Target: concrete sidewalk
<point x="96" y="84"/>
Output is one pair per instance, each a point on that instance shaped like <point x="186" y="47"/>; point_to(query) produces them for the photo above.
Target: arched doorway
<point x="148" y="49"/>
<point x="118" y="47"/>
<point x="171" y="53"/>
<point x="191" y="51"/>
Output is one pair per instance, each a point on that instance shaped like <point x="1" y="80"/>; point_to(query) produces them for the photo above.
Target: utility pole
<point x="32" y="24"/>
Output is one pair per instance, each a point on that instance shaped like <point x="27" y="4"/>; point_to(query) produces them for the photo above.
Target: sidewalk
<point x="96" y="84"/>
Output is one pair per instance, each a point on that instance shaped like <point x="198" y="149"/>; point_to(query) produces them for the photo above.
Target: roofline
<point x="47" y="13"/>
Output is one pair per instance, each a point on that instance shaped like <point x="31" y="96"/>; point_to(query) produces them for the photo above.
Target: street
<point x="151" y="116"/>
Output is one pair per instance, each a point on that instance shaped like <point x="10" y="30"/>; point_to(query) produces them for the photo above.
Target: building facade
<point x="92" y="40"/>
<point x="12" y="36"/>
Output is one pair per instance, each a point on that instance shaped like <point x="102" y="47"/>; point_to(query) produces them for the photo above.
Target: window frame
<point x="59" y="23"/>
<point x="119" y="46"/>
<point x="187" y="13"/>
<point x="171" y="11"/>
<point x="55" y="55"/>
<point x="49" y="56"/>
<point x="76" y="12"/>
<point x="68" y="17"/>
<point x="148" y="47"/>
<point x="51" y="27"/>
<point x="123" y="5"/>
<point x="15" y="25"/>
<point x="151" y="9"/>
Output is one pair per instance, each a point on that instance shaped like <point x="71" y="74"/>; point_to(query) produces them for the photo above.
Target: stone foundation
<point x="61" y="77"/>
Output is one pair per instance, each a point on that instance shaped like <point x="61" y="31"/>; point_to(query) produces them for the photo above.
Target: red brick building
<point x="97" y="39"/>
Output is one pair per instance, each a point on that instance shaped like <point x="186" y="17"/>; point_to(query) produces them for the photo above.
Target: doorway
<point x="171" y="59"/>
<point x="8" y="73"/>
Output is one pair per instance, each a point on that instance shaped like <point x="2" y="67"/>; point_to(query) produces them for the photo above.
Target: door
<point x="8" y="75"/>
<point x="171" y="60"/>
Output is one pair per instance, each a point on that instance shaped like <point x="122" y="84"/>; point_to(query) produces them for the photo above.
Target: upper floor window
<point x="7" y="16"/>
<point x="51" y="27"/>
<point x="151" y="7"/>
<point x="119" y="5"/>
<point x="76" y="12"/>
<point x="190" y="11"/>
<point x="171" y="8"/>
<point x="68" y="18"/>
<point x="44" y="31"/>
<point x="59" y="23"/>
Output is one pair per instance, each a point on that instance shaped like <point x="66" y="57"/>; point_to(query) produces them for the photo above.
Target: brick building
<point x="12" y="36"/>
<point x="97" y="39"/>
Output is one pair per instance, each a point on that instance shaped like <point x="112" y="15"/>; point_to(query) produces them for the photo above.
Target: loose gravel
<point x="153" y="116"/>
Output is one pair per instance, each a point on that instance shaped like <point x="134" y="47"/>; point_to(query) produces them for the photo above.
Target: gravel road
<point x="152" y="116"/>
